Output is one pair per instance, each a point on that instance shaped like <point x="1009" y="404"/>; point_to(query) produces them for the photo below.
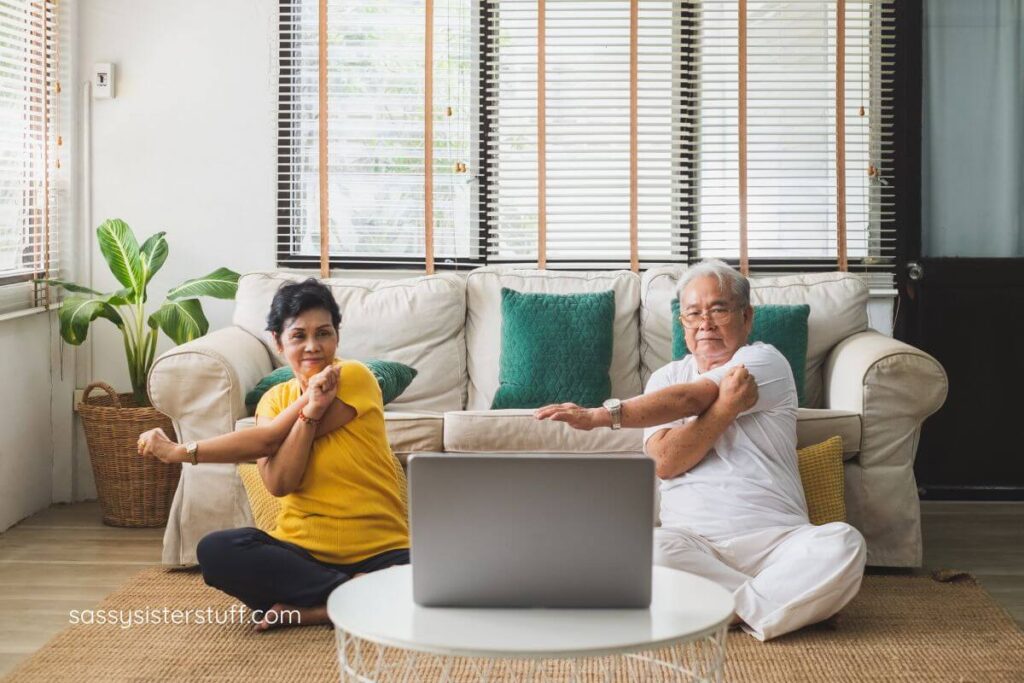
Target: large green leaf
<point x="77" y="312"/>
<point x="69" y="286"/>
<point x="182" y="321"/>
<point x="121" y="250"/>
<point x="153" y="254"/>
<point x="221" y="283"/>
<point x="120" y="297"/>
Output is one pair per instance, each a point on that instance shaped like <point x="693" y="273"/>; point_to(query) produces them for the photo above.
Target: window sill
<point x="25" y="312"/>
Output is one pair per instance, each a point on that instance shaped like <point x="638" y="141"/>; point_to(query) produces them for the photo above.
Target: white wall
<point x="26" y="444"/>
<point x="187" y="146"/>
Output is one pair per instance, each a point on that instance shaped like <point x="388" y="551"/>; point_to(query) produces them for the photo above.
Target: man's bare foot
<point x="287" y="615"/>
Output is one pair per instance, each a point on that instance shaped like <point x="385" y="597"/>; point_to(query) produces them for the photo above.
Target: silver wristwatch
<point x="192" y="450"/>
<point x="614" y="407"/>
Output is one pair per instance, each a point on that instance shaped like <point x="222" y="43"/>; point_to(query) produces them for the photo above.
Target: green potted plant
<point x="134" y="491"/>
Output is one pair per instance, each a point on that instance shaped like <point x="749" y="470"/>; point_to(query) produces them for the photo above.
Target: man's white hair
<point x="730" y="280"/>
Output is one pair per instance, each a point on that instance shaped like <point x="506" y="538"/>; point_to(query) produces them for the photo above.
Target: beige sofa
<point x="872" y="390"/>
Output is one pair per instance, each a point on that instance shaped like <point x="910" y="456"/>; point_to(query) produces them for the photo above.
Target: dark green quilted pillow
<point x="392" y="377"/>
<point x="279" y="376"/>
<point x="555" y="348"/>
<point x="784" y="327"/>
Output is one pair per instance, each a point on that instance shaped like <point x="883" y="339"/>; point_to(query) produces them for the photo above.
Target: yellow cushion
<point x="265" y="507"/>
<point x="821" y="471"/>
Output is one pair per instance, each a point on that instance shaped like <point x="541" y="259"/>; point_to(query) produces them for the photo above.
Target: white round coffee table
<point x="383" y="636"/>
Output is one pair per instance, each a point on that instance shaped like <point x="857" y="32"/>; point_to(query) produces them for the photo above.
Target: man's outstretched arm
<point x="658" y="407"/>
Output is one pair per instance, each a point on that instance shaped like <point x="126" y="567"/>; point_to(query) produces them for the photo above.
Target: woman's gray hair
<point x="729" y="280"/>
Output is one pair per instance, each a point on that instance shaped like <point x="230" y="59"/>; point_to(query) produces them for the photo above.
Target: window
<point x="587" y="132"/>
<point x="375" y="90"/>
<point x="29" y="65"/>
<point x="791" y="134"/>
<point x="667" y="180"/>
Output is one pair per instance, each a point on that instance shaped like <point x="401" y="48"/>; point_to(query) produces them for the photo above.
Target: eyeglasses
<point x="719" y="315"/>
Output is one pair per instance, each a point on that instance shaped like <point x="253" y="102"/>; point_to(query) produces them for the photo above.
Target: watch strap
<point x="192" y="448"/>
<point x="614" y="408"/>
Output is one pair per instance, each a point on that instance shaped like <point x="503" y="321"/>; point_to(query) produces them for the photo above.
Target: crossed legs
<point x="782" y="578"/>
<point x="272" y="576"/>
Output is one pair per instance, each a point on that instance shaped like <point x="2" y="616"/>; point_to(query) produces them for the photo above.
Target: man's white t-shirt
<point x="750" y="479"/>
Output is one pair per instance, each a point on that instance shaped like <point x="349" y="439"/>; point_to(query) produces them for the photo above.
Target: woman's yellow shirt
<point x="348" y="506"/>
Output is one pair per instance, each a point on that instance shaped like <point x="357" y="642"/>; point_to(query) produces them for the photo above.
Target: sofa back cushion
<point x="839" y="308"/>
<point x="483" y="322"/>
<point x="417" y="321"/>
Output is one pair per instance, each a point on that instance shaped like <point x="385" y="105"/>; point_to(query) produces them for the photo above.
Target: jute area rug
<point x="900" y="627"/>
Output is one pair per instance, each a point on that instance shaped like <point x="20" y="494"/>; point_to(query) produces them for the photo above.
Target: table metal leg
<point x="699" y="661"/>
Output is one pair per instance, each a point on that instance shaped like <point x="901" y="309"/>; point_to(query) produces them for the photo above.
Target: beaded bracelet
<point x="308" y="420"/>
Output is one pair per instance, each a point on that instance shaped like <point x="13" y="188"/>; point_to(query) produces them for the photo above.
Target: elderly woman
<point x="321" y="447"/>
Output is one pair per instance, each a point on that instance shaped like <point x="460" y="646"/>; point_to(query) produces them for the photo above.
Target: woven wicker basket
<point x="134" y="491"/>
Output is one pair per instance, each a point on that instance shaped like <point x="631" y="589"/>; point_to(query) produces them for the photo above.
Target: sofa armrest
<point x="894" y="387"/>
<point x="881" y="377"/>
<point x="201" y="385"/>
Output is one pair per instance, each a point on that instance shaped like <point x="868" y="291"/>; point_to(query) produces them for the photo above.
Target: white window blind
<point x="29" y="145"/>
<point x="375" y="88"/>
<point x="688" y="151"/>
<point x="587" y="137"/>
<point x="791" y="147"/>
<point x="633" y="156"/>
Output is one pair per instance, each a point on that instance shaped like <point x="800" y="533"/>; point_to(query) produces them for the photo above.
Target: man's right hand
<point x="575" y="416"/>
<point x="738" y="390"/>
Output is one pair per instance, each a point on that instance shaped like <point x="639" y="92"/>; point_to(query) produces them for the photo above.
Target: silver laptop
<point x="545" y="530"/>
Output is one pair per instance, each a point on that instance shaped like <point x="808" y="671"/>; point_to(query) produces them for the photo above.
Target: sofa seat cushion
<point x="408" y="431"/>
<point x="814" y="426"/>
<point x="839" y="308"/>
<point x="418" y="321"/>
<point x="483" y="323"/>
<point x="516" y="430"/>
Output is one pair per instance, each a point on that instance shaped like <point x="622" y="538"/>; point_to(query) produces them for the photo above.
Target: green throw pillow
<point x="392" y="377"/>
<point x="279" y="376"/>
<point x="555" y="348"/>
<point x="784" y="327"/>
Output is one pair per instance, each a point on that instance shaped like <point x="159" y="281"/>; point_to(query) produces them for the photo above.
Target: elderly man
<point x="721" y="428"/>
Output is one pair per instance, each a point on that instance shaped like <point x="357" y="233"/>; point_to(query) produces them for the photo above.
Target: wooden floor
<point x="64" y="559"/>
<point x="58" y="560"/>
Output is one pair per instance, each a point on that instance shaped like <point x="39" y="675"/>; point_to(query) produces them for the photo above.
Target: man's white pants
<point x="782" y="578"/>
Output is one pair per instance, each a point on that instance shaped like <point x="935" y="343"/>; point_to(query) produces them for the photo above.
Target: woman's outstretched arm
<point x="248" y="445"/>
<point x="242" y="446"/>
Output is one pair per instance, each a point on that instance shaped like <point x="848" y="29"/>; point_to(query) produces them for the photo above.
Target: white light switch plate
<point x="103" y="81"/>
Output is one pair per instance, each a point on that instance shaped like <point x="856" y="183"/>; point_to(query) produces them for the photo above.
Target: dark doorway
<point x="960" y="143"/>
